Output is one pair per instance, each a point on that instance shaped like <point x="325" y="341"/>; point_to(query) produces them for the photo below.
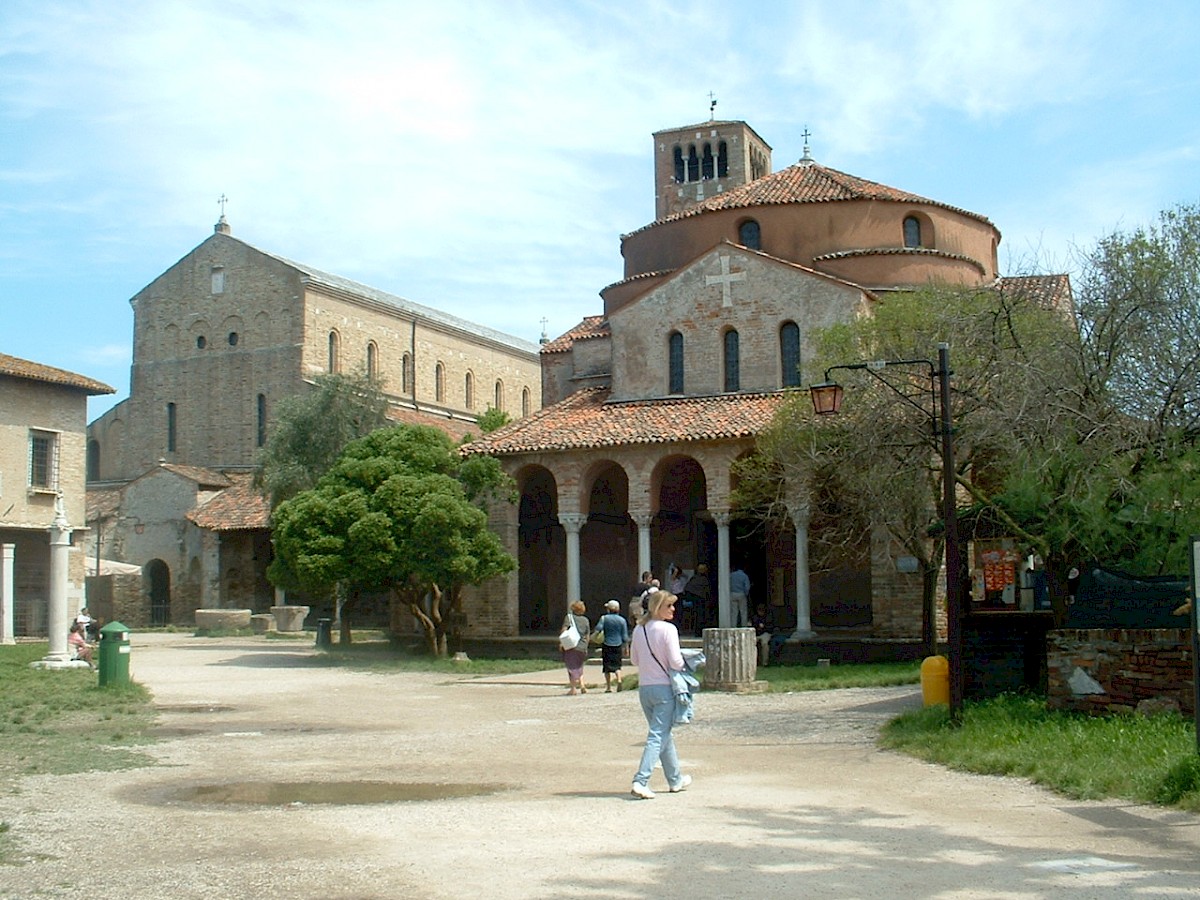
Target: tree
<point x="312" y="428"/>
<point x="491" y="419"/>
<point x="400" y="511"/>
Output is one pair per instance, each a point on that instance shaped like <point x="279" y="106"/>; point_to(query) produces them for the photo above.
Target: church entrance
<point x="541" y="553"/>
<point x="158" y="576"/>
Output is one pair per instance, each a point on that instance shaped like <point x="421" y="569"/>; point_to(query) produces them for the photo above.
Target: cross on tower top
<point x="222" y="200"/>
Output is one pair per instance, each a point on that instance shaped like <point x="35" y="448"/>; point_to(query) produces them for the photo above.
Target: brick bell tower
<point x="695" y="162"/>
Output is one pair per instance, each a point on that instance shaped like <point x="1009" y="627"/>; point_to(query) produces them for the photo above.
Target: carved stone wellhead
<point x="731" y="661"/>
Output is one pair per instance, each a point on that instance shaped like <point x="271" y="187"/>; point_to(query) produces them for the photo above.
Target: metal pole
<point x="954" y="596"/>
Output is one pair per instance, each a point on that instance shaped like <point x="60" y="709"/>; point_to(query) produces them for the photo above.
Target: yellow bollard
<point x="935" y="680"/>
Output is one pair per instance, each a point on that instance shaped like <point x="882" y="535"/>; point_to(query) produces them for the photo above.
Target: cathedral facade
<point x="648" y="404"/>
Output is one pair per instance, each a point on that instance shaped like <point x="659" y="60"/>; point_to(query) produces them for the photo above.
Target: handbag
<point x="597" y="637"/>
<point x="569" y="639"/>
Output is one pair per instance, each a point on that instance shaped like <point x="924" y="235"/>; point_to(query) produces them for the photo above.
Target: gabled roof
<point x="588" y="419"/>
<point x="805" y="182"/>
<point x="1050" y="291"/>
<point x="205" y="478"/>
<point x="16" y="367"/>
<point x="240" y="507"/>
<point x="590" y="327"/>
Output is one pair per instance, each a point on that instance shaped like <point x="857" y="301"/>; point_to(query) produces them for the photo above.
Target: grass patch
<point x="852" y="675"/>
<point x="373" y="650"/>
<point x="59" y="722"/>
<point x="1146" y="759"/>
<point x="223" y="632"/>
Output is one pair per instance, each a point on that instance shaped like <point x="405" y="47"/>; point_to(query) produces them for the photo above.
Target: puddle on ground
<point x="337" y="793"/>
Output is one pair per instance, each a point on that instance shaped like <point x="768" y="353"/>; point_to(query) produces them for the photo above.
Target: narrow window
<point x="93" y="461"/>
<point x="499" y="395"/>
<point x="679" y="173"/>
<point x="722" y="160"/>
<point x="789" y="354"/>
<point x="749" y="235"/>
<point x="706" y="165"/>
<point x="525" y="406"/>
<point x="675" y="361"/>
<point x="261" y="433"/>
<point x="43" y="460"/>
<point x="912" y="231"/>
<point x="693" y="164"/>
<point x="171" y="425"/>
<point x="732" y="366"/>
<point x="406" y="374"/>
<point x="469" y="391"/>
<point x="334" y="347"/>
<point x="201" y="342"/>
<point x="439" y="383"/>
<point x="372" y="361"/>
<point x="233" y="338"/>
<point x="218" y="280"/>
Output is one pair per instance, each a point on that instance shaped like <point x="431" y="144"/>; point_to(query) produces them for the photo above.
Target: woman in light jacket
<point x="576" y="656"/>
<point x="654" y="649"/>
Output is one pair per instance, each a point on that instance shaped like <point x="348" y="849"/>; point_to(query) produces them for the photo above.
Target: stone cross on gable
<point x="725" y="279"/>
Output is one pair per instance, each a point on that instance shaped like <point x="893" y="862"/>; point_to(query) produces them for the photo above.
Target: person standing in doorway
<point x="655" y="651"/>
<point x="739" y="597"/>
<point x="616" y="636"/>
<point x="698" y="594"/>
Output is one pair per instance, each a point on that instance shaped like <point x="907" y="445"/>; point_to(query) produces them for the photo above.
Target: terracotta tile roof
<point x="240" y="507"/>
<point x="1051" y="291"/>
<point x="16" y="367"/>
<point x="590" y="327"/>
<point x="203" y="477"/>
<point x="456" y="427"/>
<point x="103" y="503"/>
<point x="588" y="419"/>
<point x="805" y="182"/>
<point x="897" y="251"/>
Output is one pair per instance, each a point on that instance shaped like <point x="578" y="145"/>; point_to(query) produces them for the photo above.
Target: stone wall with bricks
<point x="1115" y="670"/>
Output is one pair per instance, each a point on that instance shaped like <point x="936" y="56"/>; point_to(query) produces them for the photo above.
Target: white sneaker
<point x="683" y="784"/>
<point x="642" y="791"/>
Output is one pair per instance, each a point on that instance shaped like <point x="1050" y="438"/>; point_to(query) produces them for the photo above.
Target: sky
<point x="484" y="158"/>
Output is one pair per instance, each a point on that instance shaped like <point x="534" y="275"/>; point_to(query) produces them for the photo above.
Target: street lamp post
<point x="827" y="399"/>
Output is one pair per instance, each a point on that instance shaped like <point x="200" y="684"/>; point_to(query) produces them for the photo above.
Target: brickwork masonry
<point x="1105" y="671"/>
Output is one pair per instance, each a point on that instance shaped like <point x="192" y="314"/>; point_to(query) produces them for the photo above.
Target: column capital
<point x="799" y="511"/>
<point x="572" y="522"/>
<point x="722" y="517"/>
<point x="642" y="519"/>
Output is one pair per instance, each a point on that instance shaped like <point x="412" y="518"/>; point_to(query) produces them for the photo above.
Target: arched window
<point x="334" y="350"/>
<point x="693" y="173"/>
<point x="93" y="461"/>
<point x="706" y="165"/>
<point x="912" y="231"/>
<point x="750" y="235"/>
<point x="372" y="361"/>
<point x="171" y="426"/>
<point x="261" y="411"/>
<point x="722" y="160"/>
<point x="406" y="385"/>
<point x="680" y="175"/>
<point x="789" y="354"/>
<point x="469" y="391"/>
<point x="499" y="404"/>
<point x="525" y="403"/>
<point x="675" y="362"/>
<point x="732" y="364"/>
<point x="439" y="383"/>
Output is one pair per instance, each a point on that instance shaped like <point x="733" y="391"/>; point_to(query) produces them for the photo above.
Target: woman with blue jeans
<point x="655" y="651"/>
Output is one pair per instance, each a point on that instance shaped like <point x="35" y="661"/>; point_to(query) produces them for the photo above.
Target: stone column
<point x="571" y="523"/>
<point x="731" y="660"/>
<point x="60" y="552"/>
<point x="724" y="613"/>
<point x="7" y="593"/>
<point x="800" y="513"/>
<point x="643" y="520"/>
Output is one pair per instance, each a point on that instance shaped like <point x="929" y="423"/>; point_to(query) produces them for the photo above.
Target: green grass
<point x="820" y="678"/>
<point x="59" y="722"/>
<point x="372" y="650"/>
<point x="1146" y="759"/>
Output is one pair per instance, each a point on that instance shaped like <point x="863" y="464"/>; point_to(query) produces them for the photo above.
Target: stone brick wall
<point x="1104" y="671"/>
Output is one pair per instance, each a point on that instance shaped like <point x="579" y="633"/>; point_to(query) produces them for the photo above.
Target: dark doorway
<point x="159" y="578"/>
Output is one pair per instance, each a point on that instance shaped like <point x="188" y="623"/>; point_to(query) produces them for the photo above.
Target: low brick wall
<point x="1116" y="670"/>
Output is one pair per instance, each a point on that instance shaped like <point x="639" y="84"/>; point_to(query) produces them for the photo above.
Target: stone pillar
<point x="724" y="613"/>
<point x="643" y="520"/>
<point x="60" y="553"/>
<point x="7" y="592"/>
<point x="571" y="523"/>
<point x="731" y="660"/>
<point x="210" y="570"/>
<point x="800" y="518"/>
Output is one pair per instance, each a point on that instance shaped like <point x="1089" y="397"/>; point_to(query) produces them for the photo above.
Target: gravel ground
<point x="508" y="788"/>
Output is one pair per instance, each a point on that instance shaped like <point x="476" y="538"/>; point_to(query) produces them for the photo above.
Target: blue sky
<point x="484" y="158"/>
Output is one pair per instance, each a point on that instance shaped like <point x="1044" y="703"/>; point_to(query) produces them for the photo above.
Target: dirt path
<point x="507" y="788"/>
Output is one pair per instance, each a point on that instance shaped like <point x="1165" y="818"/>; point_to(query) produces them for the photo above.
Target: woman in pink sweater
<point x="654" y="649"/>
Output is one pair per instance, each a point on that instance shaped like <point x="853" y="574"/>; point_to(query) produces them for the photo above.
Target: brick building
<point x="649" y="403"/>
<point x="219" y="339"/>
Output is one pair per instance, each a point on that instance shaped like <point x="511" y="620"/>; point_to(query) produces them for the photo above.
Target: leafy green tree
<point x="400" y="511"/>
<point x="313" y="427"/>
<point x="491" y="419"/>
